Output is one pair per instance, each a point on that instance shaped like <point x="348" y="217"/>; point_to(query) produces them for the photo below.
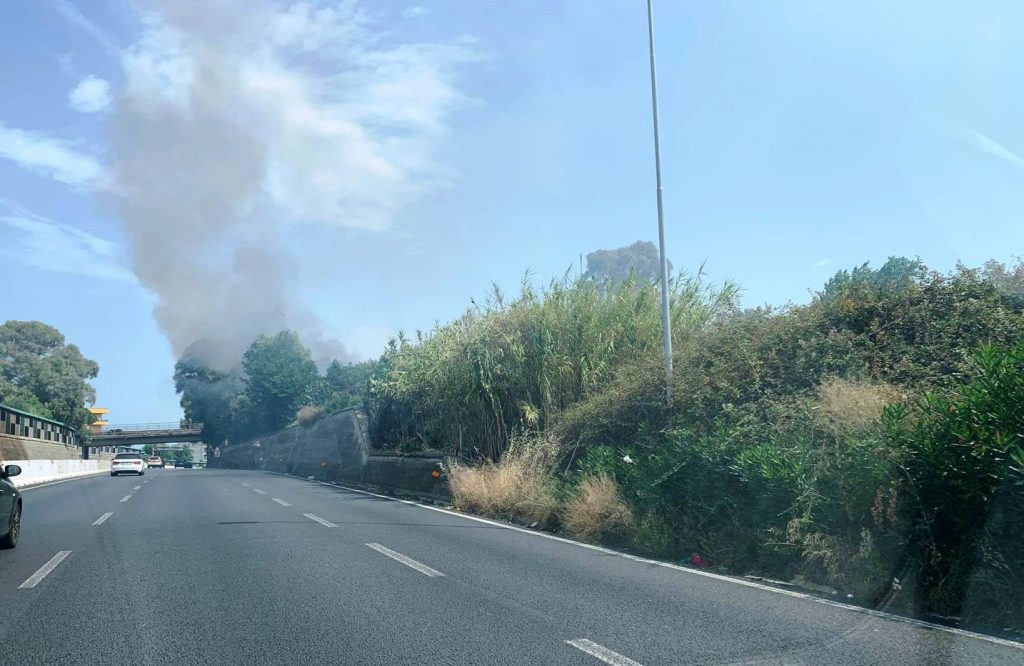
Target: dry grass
<point x="520" y="486"/>
<point x="597" y="512"/>
<point x="851" y="406"/>
<point x="308" y="415"/>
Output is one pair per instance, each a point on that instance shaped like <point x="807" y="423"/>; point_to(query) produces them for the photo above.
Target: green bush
<point x="964" y="469"/>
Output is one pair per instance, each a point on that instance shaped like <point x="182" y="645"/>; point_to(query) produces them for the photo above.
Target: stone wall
<point x="336" y="448"/>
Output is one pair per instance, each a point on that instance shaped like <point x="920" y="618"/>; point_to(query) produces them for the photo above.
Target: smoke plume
<point x="241" y="124"/>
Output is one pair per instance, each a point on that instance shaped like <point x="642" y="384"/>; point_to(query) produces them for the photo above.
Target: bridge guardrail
<point x="177" y="426"/>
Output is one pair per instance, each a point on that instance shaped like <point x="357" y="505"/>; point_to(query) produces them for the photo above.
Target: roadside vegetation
<point x="867" y="444"/>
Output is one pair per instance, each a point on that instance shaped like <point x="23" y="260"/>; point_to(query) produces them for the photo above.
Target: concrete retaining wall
<point x="44" y="471"/>
<point x="336" y="448"/>
<point x="14" y="447"/>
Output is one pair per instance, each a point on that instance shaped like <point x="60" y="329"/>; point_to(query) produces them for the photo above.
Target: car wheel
<point x="11" y="539"/>
<point x="113" y="474"/>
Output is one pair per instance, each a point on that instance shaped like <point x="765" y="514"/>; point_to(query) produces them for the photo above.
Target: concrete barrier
<point x="34" y="472"/>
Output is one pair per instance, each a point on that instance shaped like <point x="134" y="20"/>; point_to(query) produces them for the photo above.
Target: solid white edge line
<point x="407" y="561"/>
<point x="261" y="492"/>
<point x="601" y="652"/>
<point x="668" y="565"/>
<point x="280" y="501"/>
<point x="126" y="498"/>
<point x="102" y="519"/>
<point x="44" y="570"/>
<point x="325" y="523"/>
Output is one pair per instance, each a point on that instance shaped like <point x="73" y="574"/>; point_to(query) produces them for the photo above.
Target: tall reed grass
<point x="512" y="365"/>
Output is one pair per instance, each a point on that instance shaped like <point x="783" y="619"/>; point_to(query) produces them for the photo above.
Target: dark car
<point x="183" y="463"/>
<point x="10" y="507"/>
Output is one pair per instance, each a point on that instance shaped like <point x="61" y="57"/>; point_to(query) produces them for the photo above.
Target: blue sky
<point x="406" y="154"/>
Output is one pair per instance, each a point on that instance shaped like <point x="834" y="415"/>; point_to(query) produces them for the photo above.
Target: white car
<point x="127" y="463"/>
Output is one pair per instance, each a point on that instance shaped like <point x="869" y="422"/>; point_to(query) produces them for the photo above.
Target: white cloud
<point x="61" y="248"/>
<point x="48" y="156"/>
<point x="415" y="11"/>
<point x="992" y="147"/>
<point x="91" y="95"/>
<point x="822" y="263"/>
<point x="349" y="125"/>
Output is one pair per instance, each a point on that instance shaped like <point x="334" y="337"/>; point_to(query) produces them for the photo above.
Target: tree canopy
<point x="275" y="377"/>
<point x="42" y="374"/>
<point x="278" y="374"/>
<point x="641" y="258"/>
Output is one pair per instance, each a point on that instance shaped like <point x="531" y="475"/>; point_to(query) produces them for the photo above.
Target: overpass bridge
<point x="147" y="433"/>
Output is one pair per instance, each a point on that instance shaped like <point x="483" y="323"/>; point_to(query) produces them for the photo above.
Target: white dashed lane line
<point x="102" y="519"/>
<point x="280" y="501"/>
<point x="261" y="492"/>
<point x="602" y="653"/>
<point x="244" y="484"/>
<point x="325" y="523"/>
<point x="44" y="570"/>
<point x="126" y="498"/>
<point x="407" y="561"/>
<point x="137" y="488"/>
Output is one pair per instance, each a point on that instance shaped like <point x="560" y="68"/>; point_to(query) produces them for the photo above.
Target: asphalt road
<point x="228" y="567"/>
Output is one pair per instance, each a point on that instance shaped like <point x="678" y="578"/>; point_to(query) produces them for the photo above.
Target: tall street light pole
<point x="666" y="320"/>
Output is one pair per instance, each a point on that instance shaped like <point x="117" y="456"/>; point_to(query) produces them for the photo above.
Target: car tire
<point x="113" y="474"/>
<point x="10" y="540"/>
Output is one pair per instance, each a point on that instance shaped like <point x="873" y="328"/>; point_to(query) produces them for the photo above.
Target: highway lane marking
<point x="44" y="570"/>
<point x="602" y="653"/>
<point x="325" y="523"/>
<point x="407" y="561"/>
<point x="244" y="484"/>
<point x="695" y="572"/>
<point x="280" y="501"/>
<point x="102" y="519"/>
<point x="137" y="488"/>
<point x="261" y="492"/>
<point x="126" y="498"/>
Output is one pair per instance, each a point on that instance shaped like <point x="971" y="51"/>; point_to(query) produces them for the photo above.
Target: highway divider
<point x="35" y="472"/>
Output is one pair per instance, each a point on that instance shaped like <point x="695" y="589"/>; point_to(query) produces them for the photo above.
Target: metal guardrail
<point x="186" y="427"/>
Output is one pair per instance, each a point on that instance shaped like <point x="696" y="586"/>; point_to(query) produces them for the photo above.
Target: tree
<point x="897" y="273"/>
<point x="641" y="258"/>
<point x="207" y="396"/>
<point x="345" y="384"/>
<point x="40" y="373"/>
<point x="278" y="374"/>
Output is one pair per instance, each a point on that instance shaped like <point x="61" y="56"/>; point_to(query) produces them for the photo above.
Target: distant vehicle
<point x="155" y="461"/>
<point x="127" y="463"/>
<point x="10" y="508"/>
<point x="186" y="464"/>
